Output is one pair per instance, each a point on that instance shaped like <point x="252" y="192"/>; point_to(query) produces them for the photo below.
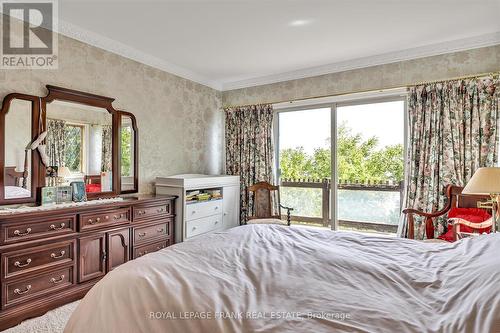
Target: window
<point x="364" y="141"/>
<point x="73" y="155"/>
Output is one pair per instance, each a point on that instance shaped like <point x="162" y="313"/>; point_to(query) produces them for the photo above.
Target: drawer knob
<point x="54" y="256"/>
<point x="161" y="210"/>
<point x="194" y="228"/>
<point x="116" y="217"/>
<point x="141" y="212"/>
<point x="143" y="253"/>
<point x="193" y="212"/>
<point x="18" y="264"/>
<point x="142" y="234"/>
<point x="216" y="207"/>
<point x="159" y="230"/>
<point x="159" y="247"/>
<point x="216" y="222"/>
<point x="19" y="233"/>
<point x="98" y="219"/>
<point x="106" y="217"/>
<point x="61" y="226"/>
<point x="20" y="292"/>
<point x="56" y="281"/>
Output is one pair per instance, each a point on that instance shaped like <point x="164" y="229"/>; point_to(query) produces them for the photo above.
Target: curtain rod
<point x="368" y="90"/>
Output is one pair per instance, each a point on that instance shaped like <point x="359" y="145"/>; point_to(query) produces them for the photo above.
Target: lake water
<point x="363" y="206"/>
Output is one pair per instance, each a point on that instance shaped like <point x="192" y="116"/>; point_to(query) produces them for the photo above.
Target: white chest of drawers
<point x="196" y="218"/>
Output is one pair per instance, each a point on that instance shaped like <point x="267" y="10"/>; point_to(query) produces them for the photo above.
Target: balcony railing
<point x="324" y="186"/>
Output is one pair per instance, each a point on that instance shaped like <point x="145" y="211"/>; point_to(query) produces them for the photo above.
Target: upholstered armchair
<point x="455" y="198"/>
<point x="266" y="205"/>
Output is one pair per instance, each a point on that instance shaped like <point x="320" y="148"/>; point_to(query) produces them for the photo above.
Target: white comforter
<point x="269" y="278"/>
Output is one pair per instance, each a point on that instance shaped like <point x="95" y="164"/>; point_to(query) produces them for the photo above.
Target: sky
<point x="311" y="128"/>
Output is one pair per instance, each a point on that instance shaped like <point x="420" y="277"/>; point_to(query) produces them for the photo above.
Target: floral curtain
<point x="56" y="141"/>
<point x="106" y="161"/>
<point x="249" y="148"/>
<point x="453" y="130"/>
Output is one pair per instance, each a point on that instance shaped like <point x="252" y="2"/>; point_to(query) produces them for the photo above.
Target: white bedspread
<point x="269" y="278"/>
<point x="12" y="192"/>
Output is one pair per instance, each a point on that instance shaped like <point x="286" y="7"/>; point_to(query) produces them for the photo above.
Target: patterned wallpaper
<point x="180" y="122"/>
<point x="397" y="74"/>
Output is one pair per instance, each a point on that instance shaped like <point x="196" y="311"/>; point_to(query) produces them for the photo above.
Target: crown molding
<point x="108" y="44"/>
<point x="70" y="30"/>
<point x="386" y="58"/>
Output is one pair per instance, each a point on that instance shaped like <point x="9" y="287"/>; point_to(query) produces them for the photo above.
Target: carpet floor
<point x="51" y="322"/>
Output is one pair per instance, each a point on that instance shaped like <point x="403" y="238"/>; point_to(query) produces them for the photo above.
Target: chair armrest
<point x="429" y="224"/>
<point x="288" y="210"/>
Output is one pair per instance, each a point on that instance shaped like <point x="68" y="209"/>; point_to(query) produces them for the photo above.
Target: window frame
<point x="344" y="100"/>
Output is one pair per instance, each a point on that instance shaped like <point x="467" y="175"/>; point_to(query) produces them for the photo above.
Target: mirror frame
<point x="35" y="157"/>
<point x="135" y="152"/>
<point x="69" y="95"/>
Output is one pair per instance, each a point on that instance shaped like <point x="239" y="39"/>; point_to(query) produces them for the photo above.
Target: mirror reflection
<point x="127" y="153"/>
<point x="17" y="171"/>
<point x="79" y="145"/>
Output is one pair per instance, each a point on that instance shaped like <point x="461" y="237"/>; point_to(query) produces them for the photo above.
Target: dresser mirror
<point x="81" y="134"/>
<point x="18" y="162"/>
<point x="128" y="158"/>
<point x="79" y="144"/>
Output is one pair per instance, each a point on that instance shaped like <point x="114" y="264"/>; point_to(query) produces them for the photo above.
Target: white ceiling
<point x="236" y="43"/>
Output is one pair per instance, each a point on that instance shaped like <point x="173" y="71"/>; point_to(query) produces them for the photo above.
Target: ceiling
<point x="229" y="44"/>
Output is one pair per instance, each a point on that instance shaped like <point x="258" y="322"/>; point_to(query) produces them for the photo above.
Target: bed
<point x="271" y="278"/>
<point x="15" y="183"/>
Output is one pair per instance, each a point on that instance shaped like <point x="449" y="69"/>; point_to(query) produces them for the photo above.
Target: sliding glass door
<point x="304" y="155"/>
<point x="364" y="142"/>
<point x="370" y="141"/>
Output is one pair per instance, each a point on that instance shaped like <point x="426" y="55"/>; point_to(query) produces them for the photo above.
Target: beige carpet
<point x="51" y="322"/>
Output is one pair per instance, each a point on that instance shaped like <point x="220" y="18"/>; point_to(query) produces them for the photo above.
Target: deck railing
<point x="351" y="185"/>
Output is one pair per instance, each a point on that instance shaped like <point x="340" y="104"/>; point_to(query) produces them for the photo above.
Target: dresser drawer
<point x="150" y="232"/>
<point x="34" y="229"/>
<point x="204" y="225"/>
<point x="36" y="258"/>
<point x="203" y="209"/>
<point x="144" y="212"/>
<point x="37" y="286"/>
<point x="150" y="248"/>
<point x="97" y="220"/>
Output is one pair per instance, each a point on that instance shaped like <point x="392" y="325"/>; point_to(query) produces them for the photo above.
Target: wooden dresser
<point x="53" y="257"/>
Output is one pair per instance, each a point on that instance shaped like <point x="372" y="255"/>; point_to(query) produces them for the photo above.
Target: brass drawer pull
<point x="61" y="226"/>
<point x="116" y="217"/>
<point x="141" y="212"/>
<point x="159" y="230"/>
<point x="160" y="247"/>
<point x="18" y="264"/>
<point x="97" y="220"/>
<point x="142" y="234"/>
<point x="142" y="253"/>
<point x="161" y="210"/>
<point x="56" y="281"/>
<point x="54" y="256"/>
<point x="20" y="292"/>
<point x="20" y="234"/>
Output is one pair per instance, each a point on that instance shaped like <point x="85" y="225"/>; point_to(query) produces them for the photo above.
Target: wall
<point x="180" y="122"/>
<point x="397" y="74"/>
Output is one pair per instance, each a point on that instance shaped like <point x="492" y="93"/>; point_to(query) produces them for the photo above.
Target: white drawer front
<point x="203" y="209"/>
<point x="203" y="225"/>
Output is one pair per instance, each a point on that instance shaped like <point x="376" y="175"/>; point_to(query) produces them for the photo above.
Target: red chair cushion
<point x="93" y="188"/>
<point x="475" y="215"/>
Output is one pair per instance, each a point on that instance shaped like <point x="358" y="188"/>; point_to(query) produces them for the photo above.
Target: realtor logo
<point x="29" y="40"/>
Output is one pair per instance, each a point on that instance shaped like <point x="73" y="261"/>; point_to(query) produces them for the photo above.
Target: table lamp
<point x="63" y="173"/>
<point x="486" y="181"/>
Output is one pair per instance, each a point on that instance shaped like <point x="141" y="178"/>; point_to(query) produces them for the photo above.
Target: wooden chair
<point x="263" y="205"/>
<point x="454" y="198"/>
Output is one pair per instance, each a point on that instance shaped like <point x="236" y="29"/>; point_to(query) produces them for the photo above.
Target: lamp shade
<point x="484" y="181"/>
<point x="64" y="172"/>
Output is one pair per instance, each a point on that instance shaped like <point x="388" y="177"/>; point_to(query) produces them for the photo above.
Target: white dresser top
<point x="197" y="181"/>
